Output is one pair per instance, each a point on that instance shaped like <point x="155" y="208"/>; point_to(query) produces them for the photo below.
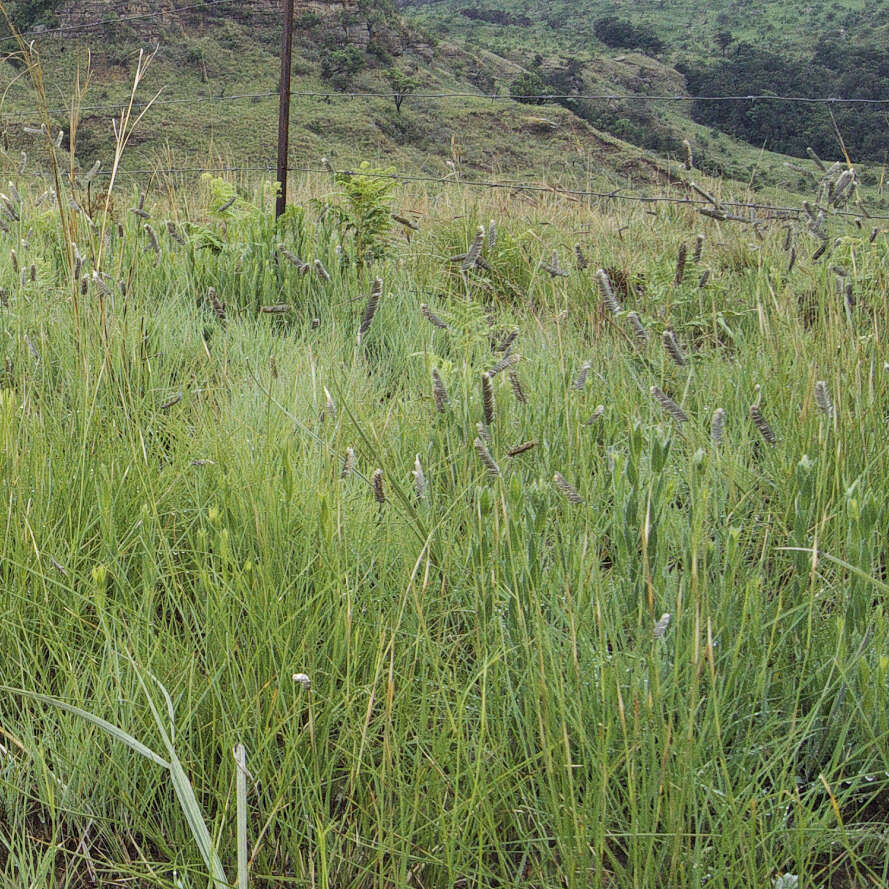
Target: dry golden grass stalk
<point x="569" y="491"/>
<point x="670" y="406"/>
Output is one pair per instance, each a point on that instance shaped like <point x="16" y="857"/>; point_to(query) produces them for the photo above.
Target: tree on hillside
<point x="528" y="88"/>
<point x="401" y="84"/>
<point x="723" y="39"/>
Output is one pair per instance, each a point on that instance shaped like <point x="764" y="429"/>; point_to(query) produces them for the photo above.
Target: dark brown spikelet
<point x="516" y="385"/>
<point x="569" y="491"/>
<point x="432" y="318"/>
<point x="672" y="348"/>
<point x="379" y="493"/>
<point x="371" y="308"/>
<point x="522" y="448"/>
<point x="485" y="456"/>
<point x="152" y="238"/>
<point x="788" y="239"/>
<point x="670" y="406"/>
<point x="680" y="264"/>
<point x="504" y="364"/>
<point x="277" y="309"/>
<point x="217" y="306"/>
<point x="699" y="249"/>
<point x="290" y="257"/>
<point x="792" y="260"/>
<point x="488" y="399"/>
<point x="581" y="259"/>
<point x="508" y="340"/>
<point x="759" y="421"/>
<point x="407" y="223"/>
<point x="639" y="330"/>
<point x="472" y="255"/>
<point x="820" y="251"/>
<point x="873" y="237"/>
<point x="439" y="392"/>
<point x="173" y="232"/>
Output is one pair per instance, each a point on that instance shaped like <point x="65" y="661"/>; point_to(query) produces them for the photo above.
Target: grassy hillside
<point x="613" y="615"/>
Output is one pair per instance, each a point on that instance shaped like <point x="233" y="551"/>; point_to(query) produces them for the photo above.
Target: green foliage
<point x="363" y="210"/>
<point x="616" y="32"/>
<point x="482" y="697"/>
<point x="401" y="84"/>
<point x="341" y="65"/>
<point x="528" y="87"/>
<point x="833" y="69"/>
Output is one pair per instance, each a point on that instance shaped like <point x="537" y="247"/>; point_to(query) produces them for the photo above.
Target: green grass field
<point x="449" y="666"/>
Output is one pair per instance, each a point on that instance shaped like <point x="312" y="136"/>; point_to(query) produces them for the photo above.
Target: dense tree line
<point x="835" y="69"/>
<point x="621" y="34"/>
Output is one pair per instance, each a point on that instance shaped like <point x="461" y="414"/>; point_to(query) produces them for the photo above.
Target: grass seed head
<point x="379" y="494"/>
<point x="699" y="249"/>
<point x="680" y="264"/>
<point x="672" y="348"/>
<point x="568" y="491"/>
<point x="432" y="318"/>
<point x="607" y="293"/>
<point x="419" y="479"/>
<point x="582" y="374"/>
<point x="516" y="386"/>
<point x="472" y="255"/>
<point x="639" y="330"/>
<point x="488" y="399"/>
<point x="717" y="425"/>
<point x="822" y="399"/>
<point x="581" y="259"/>
<point x="485" y="456"/>
<point x="660" y="628"/>
<point x="371" y="308"/>
<point x="348" y="463"/>
<point x="670" y="406"/>
<point x="439" y="392"/>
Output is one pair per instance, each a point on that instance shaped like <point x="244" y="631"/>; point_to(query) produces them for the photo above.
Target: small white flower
<point x="303" y="680"/>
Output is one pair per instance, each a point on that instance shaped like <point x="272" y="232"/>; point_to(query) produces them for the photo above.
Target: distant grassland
<point x="610" y="613"/>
